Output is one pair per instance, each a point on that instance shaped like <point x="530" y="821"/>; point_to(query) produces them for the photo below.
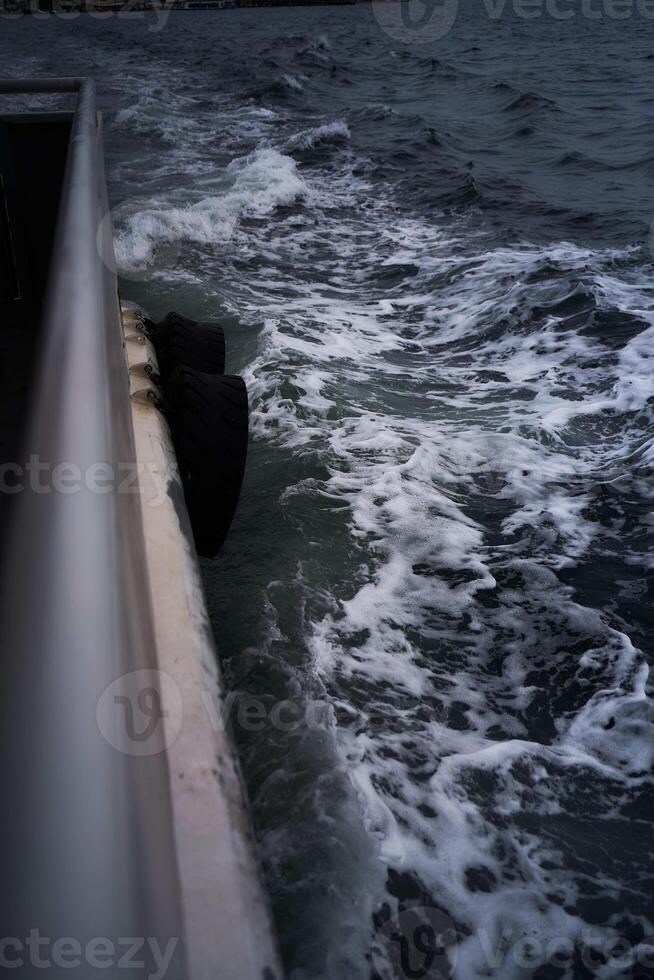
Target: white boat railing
<point x="87" y="850"/>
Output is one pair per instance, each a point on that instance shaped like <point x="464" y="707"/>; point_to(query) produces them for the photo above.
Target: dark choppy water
<point x="435" y="262"/>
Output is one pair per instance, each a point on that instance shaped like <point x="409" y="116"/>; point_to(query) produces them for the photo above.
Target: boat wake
<point x="445" y="537"/>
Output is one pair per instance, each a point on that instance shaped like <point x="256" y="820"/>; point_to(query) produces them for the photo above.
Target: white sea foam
<point x="333" y="132"/>
<point x="411" y="630"/>
<point x="252" y="186"/>
<point x="465" y="429"/>
<point x="473" y="447"/>
<point x="292" y="82"/>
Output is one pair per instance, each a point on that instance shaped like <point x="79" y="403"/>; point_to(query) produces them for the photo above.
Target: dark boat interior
<point x="33" y="151"/>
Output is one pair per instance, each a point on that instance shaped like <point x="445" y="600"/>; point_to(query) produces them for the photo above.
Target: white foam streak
<point x="411" y="631"/>
<point x="252" y="186"/>
<point x="334" y="132"/>
<point x="462" y="425"/>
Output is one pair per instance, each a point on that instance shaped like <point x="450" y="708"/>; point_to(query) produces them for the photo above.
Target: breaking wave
<point x="253" y="186"/>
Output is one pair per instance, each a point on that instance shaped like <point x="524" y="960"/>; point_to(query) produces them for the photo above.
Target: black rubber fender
<point x="208" y="417"/>
<point x="193" y="343"/>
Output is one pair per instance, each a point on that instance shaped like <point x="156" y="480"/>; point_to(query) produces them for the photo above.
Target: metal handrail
<point x="86" y="847"/>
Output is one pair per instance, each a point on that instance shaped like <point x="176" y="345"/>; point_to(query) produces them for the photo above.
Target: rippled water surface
<point x="434" y="267"/>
